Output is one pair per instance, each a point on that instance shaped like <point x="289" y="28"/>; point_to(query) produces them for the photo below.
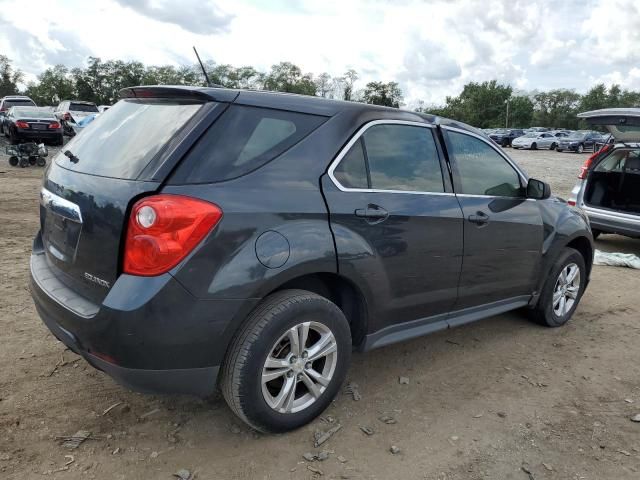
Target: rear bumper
<point x="149" y="334"/>
<point x="611" y="222"/>
<point x="38" y="134"/>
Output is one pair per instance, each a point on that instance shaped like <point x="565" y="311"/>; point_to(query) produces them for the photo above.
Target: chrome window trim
<point x="356" y="138"/>
<point x="520" y="173"/>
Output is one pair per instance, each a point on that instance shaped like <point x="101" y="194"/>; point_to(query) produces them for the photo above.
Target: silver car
<point x="536" y="140"/>
<point x="608" y="189"/>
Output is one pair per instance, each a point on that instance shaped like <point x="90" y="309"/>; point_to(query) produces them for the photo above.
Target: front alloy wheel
<point x="565" y="292"/>
<point x="299" y="367"/>
<point x="562" y="290"/>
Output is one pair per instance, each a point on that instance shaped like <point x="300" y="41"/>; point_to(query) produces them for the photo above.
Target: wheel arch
<point x="583" y="245"/>
<point x="341" y="291"/>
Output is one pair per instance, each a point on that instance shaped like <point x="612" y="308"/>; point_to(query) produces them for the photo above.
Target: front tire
<point x="534" y="146"/>
<point x="287" y="363"/>
<point x="562" y="290"/>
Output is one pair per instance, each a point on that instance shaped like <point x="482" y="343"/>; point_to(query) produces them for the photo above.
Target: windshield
<point x="577" y="135"/>
<point x="123" y="140"/>
<point x="31" y="113"/>
<point x="82" y="107"/>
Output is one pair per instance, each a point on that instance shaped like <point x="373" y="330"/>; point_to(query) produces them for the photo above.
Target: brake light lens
<point x="21" y="124"/>
<point x="54" y="125"/>
<point x="163" y="230"/>
<point x="584" y="170"/>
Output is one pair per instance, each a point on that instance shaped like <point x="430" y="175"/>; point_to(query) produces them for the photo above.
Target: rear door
<point x="90" y="186"/>
<point x="396" y="223"/>
<point x="503" y="230"/>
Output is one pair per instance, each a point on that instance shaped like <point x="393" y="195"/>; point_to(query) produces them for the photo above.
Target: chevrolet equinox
<point x="193" y="237"/>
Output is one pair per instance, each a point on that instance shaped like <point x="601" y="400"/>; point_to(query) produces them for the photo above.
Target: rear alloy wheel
<point x="562" y="291"/>
<point x="580" y="148"/>
<point x="287" y="363"/>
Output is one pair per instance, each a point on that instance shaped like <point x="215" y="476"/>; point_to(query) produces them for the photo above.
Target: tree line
<point x="485" y="105"/>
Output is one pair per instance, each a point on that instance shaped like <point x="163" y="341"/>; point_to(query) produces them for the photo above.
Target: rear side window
<point x="392" y="157"/>
<point x="122" y="141"/>
<point x="242" y="140"/>
<point x="351" y="172"/>
<point x="403" y="157"/>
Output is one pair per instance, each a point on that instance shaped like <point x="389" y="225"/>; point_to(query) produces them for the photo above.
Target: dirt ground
<point x="498" y="399"/>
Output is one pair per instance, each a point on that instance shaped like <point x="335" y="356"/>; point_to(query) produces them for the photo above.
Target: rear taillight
<point x="21" y="124"/>
<point x="584" y="170"/>
<point x="163" y="230"/>
<point x="54" y="125"/>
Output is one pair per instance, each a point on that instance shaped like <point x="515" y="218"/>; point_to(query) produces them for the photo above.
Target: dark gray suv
<point x="196" y="237"/>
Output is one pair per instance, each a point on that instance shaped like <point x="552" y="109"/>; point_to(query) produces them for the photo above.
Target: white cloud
<point x="431" y="48"/>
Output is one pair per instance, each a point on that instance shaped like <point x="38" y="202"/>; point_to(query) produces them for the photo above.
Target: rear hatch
<point x="91" y="184"/>
<point x="622" y="123"/>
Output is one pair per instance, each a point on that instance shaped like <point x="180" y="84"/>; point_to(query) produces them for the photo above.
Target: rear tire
<point x="561" y="293"/>
<point x="263" y="349"/>
<point x="13" y="137"/>
<point x="534" y="146"/>
<point x="553" y="146"/>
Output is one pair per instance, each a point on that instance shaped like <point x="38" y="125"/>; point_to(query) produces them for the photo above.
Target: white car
<point x="535" y="140"/>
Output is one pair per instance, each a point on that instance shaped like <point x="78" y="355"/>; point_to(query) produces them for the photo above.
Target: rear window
<point x="123" y="140"/>
<point x="19" y="103"/>
<point x="242" y="140"/>
<point x="32" y="113"/>
<point x="82" y="107"/>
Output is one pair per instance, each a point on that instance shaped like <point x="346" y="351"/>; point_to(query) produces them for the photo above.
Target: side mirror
<point x="538" y="189"/>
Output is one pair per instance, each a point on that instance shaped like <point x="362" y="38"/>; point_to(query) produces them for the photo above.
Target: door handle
<point x="373" y="213"/>
<point x="480" y="218"/>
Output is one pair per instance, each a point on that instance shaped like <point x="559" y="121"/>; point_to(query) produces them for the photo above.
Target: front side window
<point x="481" y="170"/>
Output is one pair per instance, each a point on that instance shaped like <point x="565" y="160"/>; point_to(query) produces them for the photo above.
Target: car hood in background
<point x="622" y="123"/>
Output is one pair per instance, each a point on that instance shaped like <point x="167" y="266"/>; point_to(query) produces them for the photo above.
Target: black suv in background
<point x="200" y="236"/>
<point x="504" y="137"/>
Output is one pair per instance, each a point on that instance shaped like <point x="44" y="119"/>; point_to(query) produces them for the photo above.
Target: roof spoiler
<point x="196" y="94"/>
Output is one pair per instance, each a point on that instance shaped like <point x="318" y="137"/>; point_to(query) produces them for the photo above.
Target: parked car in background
<point x="608" y="187"/>
<point x="32" y="124"/>
<point x="280" y="232"/>
<point x="75" y="110"/>
<point x="13" y="101"/>
<point x="580" y="141"/>
<point x="504" y="137"/>
<point x="84" y="122"/>
<point x="536" y="140"/>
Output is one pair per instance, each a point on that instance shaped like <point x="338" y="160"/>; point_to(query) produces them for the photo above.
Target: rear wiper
<point x="71" y="156"/>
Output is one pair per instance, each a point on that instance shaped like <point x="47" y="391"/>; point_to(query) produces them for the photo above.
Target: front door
<point x="396" y="223"/>
<point x="503" y="230"/>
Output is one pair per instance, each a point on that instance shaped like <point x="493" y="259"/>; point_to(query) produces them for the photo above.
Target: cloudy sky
<point x="431" y="47"/>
